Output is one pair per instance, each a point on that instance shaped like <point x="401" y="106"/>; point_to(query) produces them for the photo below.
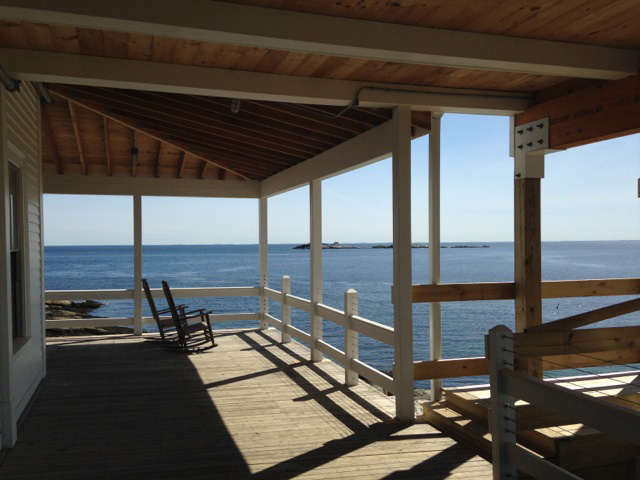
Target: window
<point x="15" y="252"/>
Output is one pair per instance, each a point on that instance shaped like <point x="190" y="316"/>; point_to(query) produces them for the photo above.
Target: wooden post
<point x="315" y="221"/>
<point x="137" y="265"/>
<point x="502" y="422"/>
<point x="528" y="269"/>
<point x="263" y="241"/>
<point x="286" y="309"/>
<point x="402" y="288"/>
<point x="435" y="308"/>
<point x="350" y="336"/>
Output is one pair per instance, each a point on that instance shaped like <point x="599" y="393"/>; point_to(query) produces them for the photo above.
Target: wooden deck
<point x="125" y="407"/>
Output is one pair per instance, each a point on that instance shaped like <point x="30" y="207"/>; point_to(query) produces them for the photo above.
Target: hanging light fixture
<point x="9" y="83"/>
<point x="134" y="155"/>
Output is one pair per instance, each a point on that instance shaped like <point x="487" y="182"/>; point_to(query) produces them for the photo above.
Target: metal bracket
<point x="531" y="142"/>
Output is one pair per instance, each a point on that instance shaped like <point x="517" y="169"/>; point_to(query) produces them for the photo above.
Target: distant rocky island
<point x="68" y="309"/>
<point x="338" y="246"/>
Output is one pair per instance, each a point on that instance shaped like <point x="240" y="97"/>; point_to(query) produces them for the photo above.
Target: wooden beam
<point x="362" y="150"/>
<point x="203" y="169"/>
<point x="528" y="266"/>
<point x="54" y="147"/>
<point x="607" y="110"/>
<point x="181" y="164"/>
<point x="107" y="148"/>
<point x="528" y="260"/>
<point x="588" y="318"/>
<point x="132" y="125"/>
<point x="279" y="29"/>
<point x="32" y="65"/>
<point x="582" y="341"/>
<point x="156" y="168"/>
<point x="593" y="359"/>
<point x="450" y="368"/>
<point x="149" y="186"/>
<point x="459" y="292"/>
<point x="76" y="131"/>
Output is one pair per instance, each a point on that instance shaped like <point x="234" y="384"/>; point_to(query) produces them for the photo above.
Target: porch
<point x="123" y="406"/>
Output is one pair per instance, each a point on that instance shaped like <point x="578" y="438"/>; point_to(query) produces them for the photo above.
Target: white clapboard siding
<point x="21" y="144"/>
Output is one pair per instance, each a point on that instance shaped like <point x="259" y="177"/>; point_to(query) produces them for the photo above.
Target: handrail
<point x="508" y="385"/>
<point x="127" y="294"/>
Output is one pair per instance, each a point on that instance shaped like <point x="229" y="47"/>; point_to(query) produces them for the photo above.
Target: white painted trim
<point x="402" y="281"/>
<point x="366" y="148"/>
<point x="164" y="77"/>
<point x="126" y="294"/>
<point x="137" y="264"/>
<point x="148" y="186"/>
<point x="315" y="268"/>
<point x="435" y="309"/>
<point x="217" y="22"/>
<point x="263" y="253"/>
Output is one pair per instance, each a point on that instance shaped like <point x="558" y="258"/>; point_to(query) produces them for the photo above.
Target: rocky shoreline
<point x="68" y="309"/>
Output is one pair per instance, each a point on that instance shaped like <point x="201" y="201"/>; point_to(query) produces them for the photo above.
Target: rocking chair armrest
<point x="167" y="310"/>
<point x="194" y="314"/>
<point x="200" y="311"/>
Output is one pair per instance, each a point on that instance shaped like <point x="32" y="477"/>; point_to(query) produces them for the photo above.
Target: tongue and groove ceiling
<point x="91" y="131"/>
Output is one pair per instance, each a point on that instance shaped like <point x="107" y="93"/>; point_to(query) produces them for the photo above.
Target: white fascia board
<point x="366" y="148"/>
<point x="218" y="22"/>
<point x="31" y="65"/>
<point x="147" y="186"/>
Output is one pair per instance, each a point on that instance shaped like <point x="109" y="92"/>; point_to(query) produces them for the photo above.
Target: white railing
<point x="348" y="319"/>
<point x="209" y="292"/>
<point x="509" y="385"/>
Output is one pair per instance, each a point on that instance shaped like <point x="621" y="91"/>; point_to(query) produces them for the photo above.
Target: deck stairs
<point x="464" y="411"/>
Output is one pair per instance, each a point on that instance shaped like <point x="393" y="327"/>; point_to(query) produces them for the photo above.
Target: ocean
<point x="367" y="270"/>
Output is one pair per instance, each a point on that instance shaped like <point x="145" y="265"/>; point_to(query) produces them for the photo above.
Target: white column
<point x="435" y="309"/>
<point x="263" y="241"/>
<point x="350" y="336"/>
<point x="315" y="249"/>
<point x="402" y="282"/>
<point x="137" y="265"/>
<point x="285" y="288"/>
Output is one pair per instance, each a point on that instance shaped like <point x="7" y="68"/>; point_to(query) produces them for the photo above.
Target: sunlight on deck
<point x="250" y="408"/>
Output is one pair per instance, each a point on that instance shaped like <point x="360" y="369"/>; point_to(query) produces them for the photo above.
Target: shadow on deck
<point x="126" y="407"/>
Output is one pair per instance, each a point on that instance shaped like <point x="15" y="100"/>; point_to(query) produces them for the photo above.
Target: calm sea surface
<point x="369" y="271"/>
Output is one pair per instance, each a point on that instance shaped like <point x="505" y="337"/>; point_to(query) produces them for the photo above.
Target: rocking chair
<point x="191" y="335"/>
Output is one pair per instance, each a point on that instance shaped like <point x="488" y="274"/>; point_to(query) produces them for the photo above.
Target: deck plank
<point x="125" y="407"/>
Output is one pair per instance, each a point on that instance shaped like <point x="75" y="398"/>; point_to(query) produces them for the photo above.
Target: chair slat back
<point x="150" y="300"/>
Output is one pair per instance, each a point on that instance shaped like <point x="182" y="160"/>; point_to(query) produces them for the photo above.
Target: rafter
<point x="203" y="169"/>
<point x="156" y="168"/>
<point x="181" y="164"/>
<point x="76" y="131"/>
<point x="218" y="22"/>
<point x="132" y="125"/>
<point x="107" y="148"/>
<point x="54" y="146"/>
<point x="134" y="158"/>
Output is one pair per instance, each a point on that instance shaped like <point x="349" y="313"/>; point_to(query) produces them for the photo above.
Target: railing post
<point x="502" y="417"/>
<point x="350" y="336"/>
<point x="137" y="265"/>
<point x="286" y="309"/>
<point x="263" y="244"/>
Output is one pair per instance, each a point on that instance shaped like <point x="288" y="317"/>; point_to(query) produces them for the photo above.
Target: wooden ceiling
<point x="611" y="23"/>
<point x="83" y="41"/>
<point x="92" y="131"/>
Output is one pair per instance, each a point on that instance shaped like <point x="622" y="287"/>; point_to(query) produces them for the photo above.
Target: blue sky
<point x="588" y="193"/>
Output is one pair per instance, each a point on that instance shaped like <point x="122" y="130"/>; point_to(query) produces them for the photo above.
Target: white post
<point x="435" y="309"/>
<point x="402" y="282"/>
<point x="315" y="248"/>
<point x="286" y="309"/>
<point x="137" y="265"/>
<point x="502" y="419"/>
<point x="350" y="336"/>
<point x="263" y="241"/>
